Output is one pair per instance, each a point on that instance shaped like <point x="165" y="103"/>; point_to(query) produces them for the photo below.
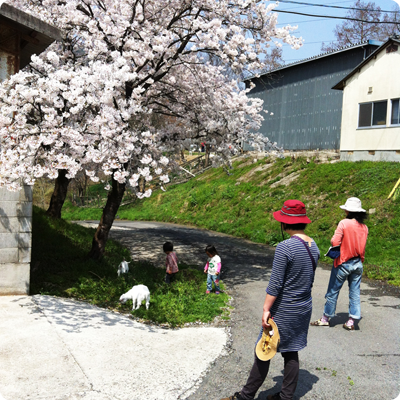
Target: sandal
<point x="348" y="327"/>
<point x="319" y="322"/>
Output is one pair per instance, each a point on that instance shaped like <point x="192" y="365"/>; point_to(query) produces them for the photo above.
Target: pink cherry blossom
<point x="129" y="86"/>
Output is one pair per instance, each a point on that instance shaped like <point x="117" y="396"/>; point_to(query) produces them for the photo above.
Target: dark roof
<point x="36" y="34"/>
<point x="342" y="83"/>
<point x="322" y="55"/>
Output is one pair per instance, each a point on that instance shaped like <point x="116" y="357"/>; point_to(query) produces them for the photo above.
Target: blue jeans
<point x="350" y="270"/>
<point x="210" y="280"/>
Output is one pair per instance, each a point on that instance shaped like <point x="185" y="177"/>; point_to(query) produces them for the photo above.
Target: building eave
<point x="317" y="57"/>
<point x="29" y="21"/>
<point x="37" y="34"/>
<point x="341" y="85"/>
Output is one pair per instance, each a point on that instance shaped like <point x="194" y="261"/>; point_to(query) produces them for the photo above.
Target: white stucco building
<point x="21" y="35"/>
<point x="370" y="128"/>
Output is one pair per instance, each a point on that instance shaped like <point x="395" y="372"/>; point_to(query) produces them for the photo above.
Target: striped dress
<point x="292" y="277"/>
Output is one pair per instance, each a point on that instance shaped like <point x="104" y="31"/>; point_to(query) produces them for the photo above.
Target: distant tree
<point x="273" y="59"/>
<point x="350" y="32"/>
<point x="392" y="29"/>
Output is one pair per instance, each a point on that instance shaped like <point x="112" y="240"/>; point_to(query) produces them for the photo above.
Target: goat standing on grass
<point x="137" y="294"/>
<point x="123" y="268"/>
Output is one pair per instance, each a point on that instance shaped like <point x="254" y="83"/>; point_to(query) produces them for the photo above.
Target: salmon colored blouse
<point x="352" y="237"/>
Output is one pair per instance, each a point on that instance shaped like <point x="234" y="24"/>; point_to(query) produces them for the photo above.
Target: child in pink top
<point x="351" y="235"/>
<point x="212" y="269"/>
<point x="171" y="262"/>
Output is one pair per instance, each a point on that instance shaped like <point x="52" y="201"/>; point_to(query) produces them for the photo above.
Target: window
<point x="372" y="114"/>
<point x="364" y="118"/>
<point x="395" y="117"/>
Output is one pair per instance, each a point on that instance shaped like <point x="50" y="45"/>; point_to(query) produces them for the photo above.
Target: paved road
<point x="337" y="364"/>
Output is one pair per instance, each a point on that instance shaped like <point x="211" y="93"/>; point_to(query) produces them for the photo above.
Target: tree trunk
<point x="207" y="156"/>
<point x="59" y="195"/>
<point x="142" y="184"/>
<point x="114" y="200"/>
<point x="81" y="194"/>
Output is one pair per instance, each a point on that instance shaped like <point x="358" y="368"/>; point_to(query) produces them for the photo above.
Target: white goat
<point x="137" y="294"/>
<point x="123" y="268"/>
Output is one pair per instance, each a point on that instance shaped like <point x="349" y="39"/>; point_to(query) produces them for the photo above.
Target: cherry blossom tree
<point x="92" y="99"/>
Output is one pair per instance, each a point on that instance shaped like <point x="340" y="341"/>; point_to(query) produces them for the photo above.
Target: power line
<point x="302" y="22"/>
<point x="293" y="8"/>
<point x="306" y="43"/>
<point x="330" y="6"/>
<point x="333" y="17"/>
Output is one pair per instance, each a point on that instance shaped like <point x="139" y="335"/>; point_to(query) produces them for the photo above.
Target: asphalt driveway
<point x="337" y="364"/>
<point x="60" y="349"/>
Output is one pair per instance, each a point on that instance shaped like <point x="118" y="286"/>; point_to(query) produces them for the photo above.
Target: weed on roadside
<point x="61" y="267"/>
<point x="242" y="205"/>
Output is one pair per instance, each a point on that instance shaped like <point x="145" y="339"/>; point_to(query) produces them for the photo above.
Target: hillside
<point x="241" y="204"/>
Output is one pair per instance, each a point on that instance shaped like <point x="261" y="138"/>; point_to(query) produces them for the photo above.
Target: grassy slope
<point x="60" y="267"/>
<point x="215" y="201"/>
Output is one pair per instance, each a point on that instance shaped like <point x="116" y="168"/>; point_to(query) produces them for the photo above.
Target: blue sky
<point x="316" y="30"/>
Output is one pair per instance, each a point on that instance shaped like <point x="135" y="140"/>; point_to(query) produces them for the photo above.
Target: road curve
<point x="337" y="364"/>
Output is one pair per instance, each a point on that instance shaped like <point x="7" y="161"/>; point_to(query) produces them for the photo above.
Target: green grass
<point x="217" y="202"/>
<point x="60" y="267"/>
<point x="72" y="213"/>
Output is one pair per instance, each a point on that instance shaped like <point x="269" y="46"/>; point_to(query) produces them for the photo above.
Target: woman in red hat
<point x="288" y="301"/>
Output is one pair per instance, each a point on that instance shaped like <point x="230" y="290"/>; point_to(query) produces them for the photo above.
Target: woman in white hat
<point x="351" y="235"/>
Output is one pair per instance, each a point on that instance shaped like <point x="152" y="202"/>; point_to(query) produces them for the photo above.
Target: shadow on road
<point x="242" y="261"/>
<point x="71" y="316"/>
<point x="341" y="318"/>
<point x="246" y="268"/>
<point x="305" y="385"/>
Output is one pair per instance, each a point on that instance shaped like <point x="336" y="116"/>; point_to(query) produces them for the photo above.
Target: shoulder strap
<point x="308" y="250"/>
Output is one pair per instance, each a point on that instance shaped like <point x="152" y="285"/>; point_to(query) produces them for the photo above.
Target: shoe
<point x="236" y="396"/>
<point x="319" y="322"/>
<point x="216" y="292"/>
<point x="275" y="396"/>
<point x="348" y="327"/>
<point x="207" y="292"/>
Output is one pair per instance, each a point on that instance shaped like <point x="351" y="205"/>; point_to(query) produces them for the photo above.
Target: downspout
<point x="365" y="53"/>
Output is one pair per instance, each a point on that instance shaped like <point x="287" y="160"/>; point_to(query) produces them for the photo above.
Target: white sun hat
<point x="353" y="204"/>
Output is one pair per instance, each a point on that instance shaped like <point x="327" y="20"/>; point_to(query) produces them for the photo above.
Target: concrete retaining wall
<point x="15" y="240"/>
<point x="363" y="155"/>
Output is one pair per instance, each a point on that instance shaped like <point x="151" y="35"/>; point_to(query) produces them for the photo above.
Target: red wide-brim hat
<point x="292" y="212"/>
